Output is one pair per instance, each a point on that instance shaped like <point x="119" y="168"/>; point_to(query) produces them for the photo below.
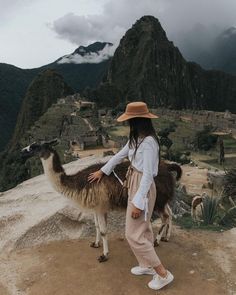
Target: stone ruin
<point x="222" y="121"/>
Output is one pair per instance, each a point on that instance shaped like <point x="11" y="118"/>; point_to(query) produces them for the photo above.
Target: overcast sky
<point x="36" y="32"/>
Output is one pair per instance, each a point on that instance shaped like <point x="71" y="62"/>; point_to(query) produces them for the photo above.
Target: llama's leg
<point x="166" y="226"/>
<point x="102" y="222"/>
<point x="168" y="229"/>
<point x="96" y="244"/>
<point x="161" y="230"/>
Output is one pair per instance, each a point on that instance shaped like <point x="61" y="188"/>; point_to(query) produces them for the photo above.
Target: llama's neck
<point x="54" y="172"/>
<point x="53" y="176"/>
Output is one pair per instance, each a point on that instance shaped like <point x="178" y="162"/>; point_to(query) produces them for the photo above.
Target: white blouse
<point x="146" y="161"/>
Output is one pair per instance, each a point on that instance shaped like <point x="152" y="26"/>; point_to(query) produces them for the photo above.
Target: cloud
<point x="177" y="17"/>
<point x="9" y="8"/>
<point x="91" y="57"/>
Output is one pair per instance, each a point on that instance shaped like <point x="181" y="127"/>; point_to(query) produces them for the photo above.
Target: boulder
<point x="216" y="181"/>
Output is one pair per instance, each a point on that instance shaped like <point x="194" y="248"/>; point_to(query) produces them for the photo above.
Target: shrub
<point x="204" y="140"/>
<point x="229" y="219"/>
<point x="177" y="156"/>
<point x="210" y="210"/>
<point x="230" y="183"/>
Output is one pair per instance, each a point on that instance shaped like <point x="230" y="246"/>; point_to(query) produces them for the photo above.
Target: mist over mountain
<point x="93" y="54"/>
<point x="210" y="46"/>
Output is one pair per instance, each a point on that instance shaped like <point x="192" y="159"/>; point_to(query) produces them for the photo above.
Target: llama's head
<point x="42" y="150"/>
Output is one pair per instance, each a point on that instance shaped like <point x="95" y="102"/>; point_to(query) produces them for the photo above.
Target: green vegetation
<point x="229" y="143"/>
<point x="122" y="130"/>
<point x="230" y="184"/>
<point x="214" y="216"/>
<point x="187" y="222"/>
<point x="229" y="219"/>
<point x="13" y="85"/>
<point x="210" y="210"/>
<point x="45" y="89"/>
<point x="204" y="139"/>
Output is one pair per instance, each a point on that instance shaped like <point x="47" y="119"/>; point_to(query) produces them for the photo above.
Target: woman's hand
<point x="136" y="212"/>
<point x="97" y="175"/>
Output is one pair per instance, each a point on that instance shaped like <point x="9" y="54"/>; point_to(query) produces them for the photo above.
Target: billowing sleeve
<point x="150" y="154"/>
<point x="116" y="159"/>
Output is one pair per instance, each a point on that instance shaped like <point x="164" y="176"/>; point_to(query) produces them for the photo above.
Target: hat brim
<point x="125" y="117"/>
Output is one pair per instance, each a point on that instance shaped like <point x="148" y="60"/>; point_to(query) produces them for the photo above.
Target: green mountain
<point x="147" y="66"/>
<point x="13" y="85"/>
<point x="44" y="90"/>
<point x="42" y="94"/>
<point x="62" y="120"/>
<point x="86" y="66"/>
<point x="77" y="70"/>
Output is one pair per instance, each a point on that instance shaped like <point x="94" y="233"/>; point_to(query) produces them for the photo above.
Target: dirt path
<point x="89" y="125"/>
<point x="70" y="268"/>
<point x="194" y="178"/>
<point x="202" y="262"/>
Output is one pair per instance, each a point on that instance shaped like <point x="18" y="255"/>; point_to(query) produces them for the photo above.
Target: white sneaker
<point x="138" y="270"/>
<point x="158" y="282"/>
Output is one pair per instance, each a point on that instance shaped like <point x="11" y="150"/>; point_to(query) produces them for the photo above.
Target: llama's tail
<point x="175" y="168"/>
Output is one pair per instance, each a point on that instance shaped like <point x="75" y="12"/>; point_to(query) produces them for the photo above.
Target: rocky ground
<point x="44" y="244"/>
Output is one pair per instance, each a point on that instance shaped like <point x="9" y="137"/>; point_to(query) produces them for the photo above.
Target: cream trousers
<point x="139" y="232"/>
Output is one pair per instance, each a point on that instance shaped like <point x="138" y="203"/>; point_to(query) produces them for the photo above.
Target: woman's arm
<point x="116" y="159"/>
<point x="110" y="165"/>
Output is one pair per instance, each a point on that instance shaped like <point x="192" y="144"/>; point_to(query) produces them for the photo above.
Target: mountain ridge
<point x="164" y="77"/>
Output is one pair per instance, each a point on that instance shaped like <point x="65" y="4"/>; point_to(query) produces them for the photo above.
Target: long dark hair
<point x="141" y="127"/>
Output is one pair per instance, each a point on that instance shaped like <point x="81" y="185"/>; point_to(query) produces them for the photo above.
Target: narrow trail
<point x="88" y="123"/>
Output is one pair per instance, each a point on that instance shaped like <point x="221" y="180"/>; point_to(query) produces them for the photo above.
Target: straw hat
<point x="136" y="109"/>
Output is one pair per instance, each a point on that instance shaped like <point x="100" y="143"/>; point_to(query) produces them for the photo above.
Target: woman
<point x="142" y="149"/>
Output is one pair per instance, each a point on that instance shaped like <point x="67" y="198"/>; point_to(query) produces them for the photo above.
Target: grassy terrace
<point x="185" y="131"/>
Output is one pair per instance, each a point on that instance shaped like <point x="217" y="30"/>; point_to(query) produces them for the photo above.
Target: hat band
<point x="136" y="114"/>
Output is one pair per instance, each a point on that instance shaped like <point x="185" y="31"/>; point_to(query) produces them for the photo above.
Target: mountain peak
<point x="94" y="53"/>
<point x="94" y="47"/>
<point x="148" y="19"/>
<point x="147" y="66"/>
<point x="147" y="27"/>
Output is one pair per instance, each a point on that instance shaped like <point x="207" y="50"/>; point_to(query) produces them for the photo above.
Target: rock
<point x="182" y="195"/>
<point x="180" y="205"/>
<point x="33" y="213"/>
<point x="216" y="181"/>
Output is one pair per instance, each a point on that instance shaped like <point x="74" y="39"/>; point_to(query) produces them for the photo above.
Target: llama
<point x="100" y="198"/>
<point x="196" y="207"/>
